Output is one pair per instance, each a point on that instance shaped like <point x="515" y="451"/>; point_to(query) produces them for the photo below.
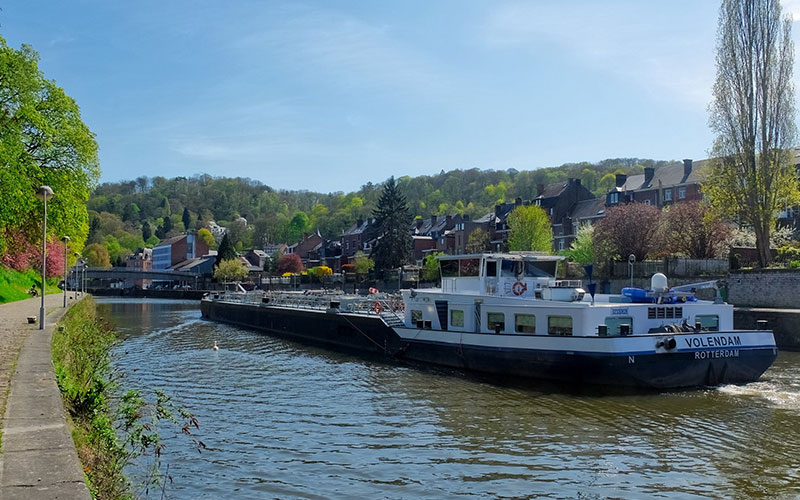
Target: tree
<point x="692" y="229"/>
<point x="582" y="248"/>
<point x="147" y="232"/>
<point x="752" y="113"/>
<point x="430" y="267"/>
<point x="205" y="235"/>
<point x="393" y="221"/>
<point x="43" y="141"/>
<point x="631" y="229"/>
<point x="478" y="241"/>
<point x="319" y="272"/>
<point x="97" y="255"/>
<point x="298" y="226"/>
<point x="186" y="218"/>
<point x="362" y="264"/>
<point x="230" y="270"/>
<point x="225" y="251"/>
<point x="290" y="263"/>
<point x="530" y="229"/>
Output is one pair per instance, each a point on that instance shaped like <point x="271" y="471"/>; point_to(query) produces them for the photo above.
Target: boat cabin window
<point x="559" y="325"/>
<point x="540" y="269"/>
<point x="525" y="323"/>
<point x="416" y="315"/>
<point x="708" y="321"/>
<point x="449" y="268"/>
<point x="491" y="269"/>
<point x="496" y="322"/>
<point x="614" y="322"/>
<point x="469" y="267"/>
<point x="456" y="318"/>
<point x="510" y="268"/>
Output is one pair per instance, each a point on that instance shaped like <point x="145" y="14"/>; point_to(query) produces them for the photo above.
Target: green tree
<point x="205" y="235"/>
<point x="43" y="141"/>
<point x="478" y="241"/>
<point x="362" y="264"/>
<point x="530" y="229"/>
<point x="753" y="111"/>
<point x="147" y="231"/>
<point x="430" y="267"/>
<point x="230" y="270"/>
<point x="186" y="218"/>
<point x="225" y="250"/>
<point x="582" y="248"/>
<point x="393" y="221"/>
<point x="97" y="255"/>
<point x="298" y="226"/>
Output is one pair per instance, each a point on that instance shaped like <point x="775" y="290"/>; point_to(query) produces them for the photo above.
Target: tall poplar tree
<point x="393" y="248"/>
<point x="753" y="175"/>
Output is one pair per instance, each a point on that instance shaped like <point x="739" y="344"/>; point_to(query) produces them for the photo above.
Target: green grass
<point x="14" y="285"/>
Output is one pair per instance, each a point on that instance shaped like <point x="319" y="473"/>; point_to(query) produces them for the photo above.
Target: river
<point x="283" y="420"/>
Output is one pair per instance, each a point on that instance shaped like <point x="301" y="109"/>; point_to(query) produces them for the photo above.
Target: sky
<point x="327" y="96"/>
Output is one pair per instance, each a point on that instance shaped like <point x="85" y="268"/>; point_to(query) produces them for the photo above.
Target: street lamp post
<point x="44" y="193"/>
<point x="65" y="239"/>
<point x="75" y="273"/>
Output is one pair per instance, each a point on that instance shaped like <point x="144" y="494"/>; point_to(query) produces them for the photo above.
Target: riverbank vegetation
<point x="16" y="285"/>
<point x="111" y="429"/>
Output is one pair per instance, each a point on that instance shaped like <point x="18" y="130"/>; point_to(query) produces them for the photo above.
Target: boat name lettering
<point x="722" y="353"/>
<point x="621" y="310"/>
<point x="716" y="341"/>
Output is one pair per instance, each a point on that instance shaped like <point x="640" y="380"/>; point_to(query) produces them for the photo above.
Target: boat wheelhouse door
<point x="490" y="276"/>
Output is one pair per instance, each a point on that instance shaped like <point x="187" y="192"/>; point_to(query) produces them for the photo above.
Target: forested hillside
<point x="128" y="215"/>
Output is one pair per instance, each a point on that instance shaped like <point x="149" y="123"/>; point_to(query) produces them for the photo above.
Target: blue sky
<point x="327" y="95"/>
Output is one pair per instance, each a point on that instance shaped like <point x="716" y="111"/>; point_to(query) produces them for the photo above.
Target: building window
<point x="682" y="193"/>
<point x="613" y="198"/>
<point x="614" y="322"/>
<point x="668" y="195"/>
<point x="496" y="322"/>
<point x="559" y="325"/>
<point x="525" y="323"/>
<point x="647" y="202"/>
<point x="457" y="318"/>
<point x="708" y="321"/>
<point x="561" y="244"/>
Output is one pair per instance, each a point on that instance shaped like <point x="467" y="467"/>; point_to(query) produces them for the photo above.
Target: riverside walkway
<point x="38" y="457"/>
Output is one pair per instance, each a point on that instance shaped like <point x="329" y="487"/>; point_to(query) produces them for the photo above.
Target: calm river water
<point x="282" y="420"/>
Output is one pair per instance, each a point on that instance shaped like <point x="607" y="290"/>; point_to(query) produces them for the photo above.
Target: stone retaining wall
<point x="765" y="288"/>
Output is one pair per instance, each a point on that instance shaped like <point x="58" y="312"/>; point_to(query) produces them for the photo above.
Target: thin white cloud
<point x="612" y="39"/>
<point x="354" y="53"/>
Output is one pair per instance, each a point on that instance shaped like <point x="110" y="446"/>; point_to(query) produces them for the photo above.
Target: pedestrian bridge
<point x="123" y="273"/>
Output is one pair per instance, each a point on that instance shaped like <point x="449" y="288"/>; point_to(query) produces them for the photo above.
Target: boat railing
<point x="388" y="306"/>
<point x="565" y="284"/>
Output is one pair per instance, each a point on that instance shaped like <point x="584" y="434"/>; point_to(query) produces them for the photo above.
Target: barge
<point x="506" y="314"/>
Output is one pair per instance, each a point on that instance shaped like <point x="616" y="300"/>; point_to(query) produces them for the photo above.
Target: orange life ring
<point x="519" y="288"/>
<point x="377" y="307"/>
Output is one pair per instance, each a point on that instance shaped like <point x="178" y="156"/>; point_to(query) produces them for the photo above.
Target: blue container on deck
<point x="637" y="295"/>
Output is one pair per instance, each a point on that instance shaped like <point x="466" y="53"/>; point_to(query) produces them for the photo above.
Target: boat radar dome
<point x="658" y="283"/>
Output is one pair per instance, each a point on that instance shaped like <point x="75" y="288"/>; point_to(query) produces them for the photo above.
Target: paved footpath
<point x="38" y="458"/>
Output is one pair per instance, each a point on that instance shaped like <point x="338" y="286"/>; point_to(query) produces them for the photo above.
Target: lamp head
<point x="44" y="193"/>
<point x="65" y="239"/>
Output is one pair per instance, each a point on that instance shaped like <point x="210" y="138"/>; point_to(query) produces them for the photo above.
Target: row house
<point x="360" y="237"/>
<point x="660" y="187"/>
<point x="559" y="201"/>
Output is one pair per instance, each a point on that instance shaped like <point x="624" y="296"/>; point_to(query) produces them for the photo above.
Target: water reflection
<point x="284" y="420"/>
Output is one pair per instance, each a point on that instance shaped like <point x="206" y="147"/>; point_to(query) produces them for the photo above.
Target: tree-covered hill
<point x="120" y="211"/>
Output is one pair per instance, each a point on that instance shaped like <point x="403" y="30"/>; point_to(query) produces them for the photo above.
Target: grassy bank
<point x="14" y="285"/>
<point x="111" y="429"/>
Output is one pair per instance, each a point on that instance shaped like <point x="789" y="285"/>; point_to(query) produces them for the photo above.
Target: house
<point x="257" y="258"/>
<point x="659" y="186"/>
<point x="585" y="212"/>
<point x="308" y="248"/>
<point x="202" y="266"/>
<point x="142" y="261"/>
<point x="465" y="227"/>
<point x="177" y="249"/>
<point x="360" y="237"/>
